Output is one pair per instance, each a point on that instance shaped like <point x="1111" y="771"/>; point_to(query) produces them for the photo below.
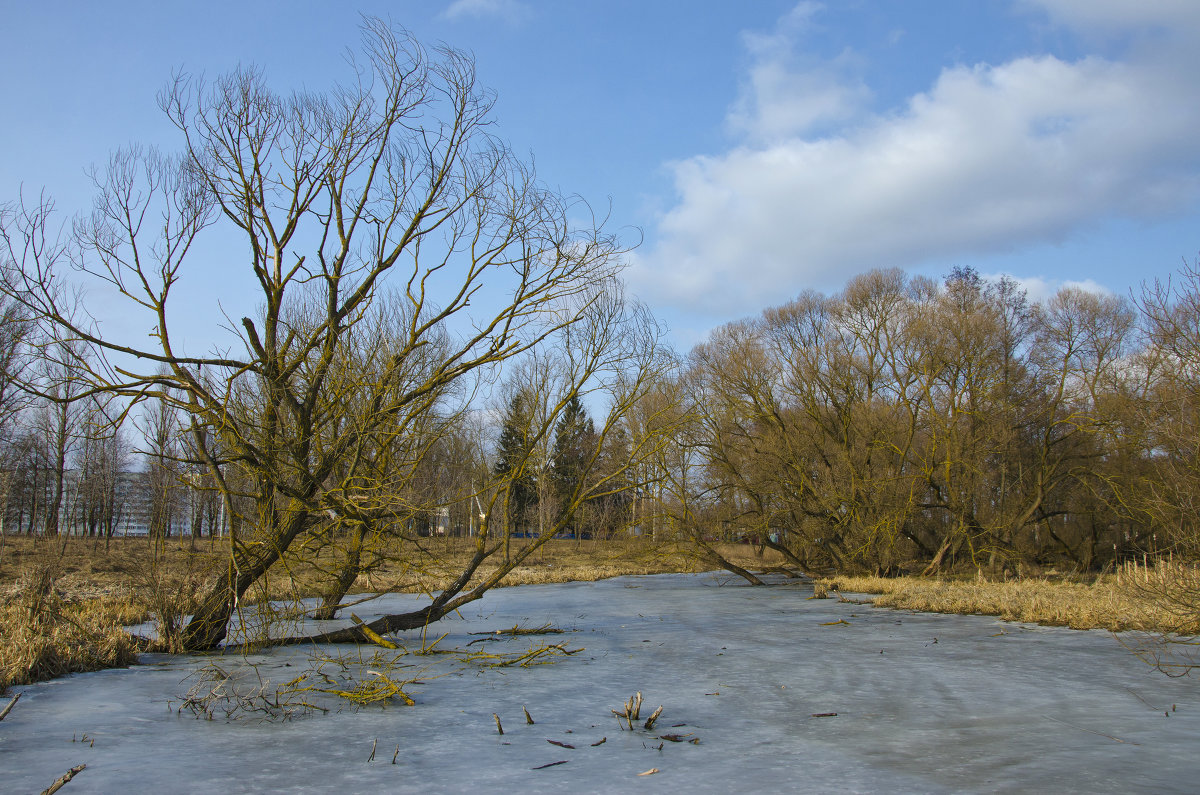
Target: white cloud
<point x="786" y="94"/>
<point x="1039" y="289"/>
<point x="988" y="159"/>
<point x="1121" y="15"/>
<point x="511" y="11"/>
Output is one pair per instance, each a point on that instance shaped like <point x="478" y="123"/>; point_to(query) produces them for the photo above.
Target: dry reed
<point x="47" y="636"/>
<point x="1130" y="599"/>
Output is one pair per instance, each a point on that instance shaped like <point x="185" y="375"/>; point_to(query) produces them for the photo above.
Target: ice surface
<point x="924" y="703"/>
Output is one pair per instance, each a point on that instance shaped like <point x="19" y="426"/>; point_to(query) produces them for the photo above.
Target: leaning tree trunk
<point x="331" y="599"/>
<point x="248" y="561"/>
<point x="711" y="555"/>
<point x="788" y="555"/>
<point x="449" y="600"/>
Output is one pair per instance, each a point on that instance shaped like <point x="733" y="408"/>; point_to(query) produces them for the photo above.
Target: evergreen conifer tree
<point x="574" y="444"/>
<point x="512" y="460"/>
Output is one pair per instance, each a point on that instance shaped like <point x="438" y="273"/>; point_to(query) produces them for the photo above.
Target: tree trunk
<point x="718" y="559"/>
<point x="936" y="563"/>
<point x="349" y="572"/>
<point x="788" y="554"/>
<point x="248" y="562"/>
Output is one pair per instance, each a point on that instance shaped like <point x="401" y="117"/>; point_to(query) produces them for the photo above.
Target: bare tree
<point x="101" y="464"/>
<point x="392" y="177"/>
<point x="612" y="354"/>
<point x="902" y="421"/>
<point x="14" y="360"/>
<point x="60" y="386"/>
<point x="162" y="451"/>
<point x="1169" y="491"/>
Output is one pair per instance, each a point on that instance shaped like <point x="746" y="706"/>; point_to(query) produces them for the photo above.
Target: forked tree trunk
<point x="247" y="563"/>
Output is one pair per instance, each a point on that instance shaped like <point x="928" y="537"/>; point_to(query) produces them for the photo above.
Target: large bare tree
<point x="393" y="178"/>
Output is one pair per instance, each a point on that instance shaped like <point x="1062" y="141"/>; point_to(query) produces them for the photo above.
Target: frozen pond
<point x="923" y="703"/>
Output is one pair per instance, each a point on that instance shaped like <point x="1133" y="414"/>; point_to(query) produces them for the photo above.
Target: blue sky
<point x="757" y="149"/>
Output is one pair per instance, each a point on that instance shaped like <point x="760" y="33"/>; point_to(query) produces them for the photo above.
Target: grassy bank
<point x="1135" y="598"/>
<point x="64" y="601"/>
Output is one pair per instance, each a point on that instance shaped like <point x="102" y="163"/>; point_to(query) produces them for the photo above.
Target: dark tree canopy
<point x="512" y="467"/>
<point x="574" y="446"/>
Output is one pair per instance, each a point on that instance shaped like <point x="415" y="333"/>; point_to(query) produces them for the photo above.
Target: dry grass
<point x="47" y="634"/>
<point x="66" y="600"/>
<point x="84" y="568"/>
<point x="556" y="562"/>
<point x="1119" y="602"/>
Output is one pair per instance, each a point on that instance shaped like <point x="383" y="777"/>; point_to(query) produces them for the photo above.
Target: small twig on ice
<point x="499" y="728"/>
<point x="488" y="639"/>
<point x="1090" y="731"/>
<point x="528" y="717"/>
<point x="650" y="720"/>
<point x="544" y="629"/>
<point x="533" y="656"/>
<point x="1130" y="689"/>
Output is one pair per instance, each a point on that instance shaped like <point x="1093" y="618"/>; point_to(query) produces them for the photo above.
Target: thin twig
<point x="1130" y="689"/>
<point x="1091" y="731"/>
<point x="545" y="629"/>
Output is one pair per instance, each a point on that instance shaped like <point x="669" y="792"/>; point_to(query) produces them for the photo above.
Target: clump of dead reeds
<point x="631" y="713"/>
<point x="1145" y="597"/>
<point x="46" y="635"/>
<point x="1171" y="586"/>
<point x="171" y="596"/>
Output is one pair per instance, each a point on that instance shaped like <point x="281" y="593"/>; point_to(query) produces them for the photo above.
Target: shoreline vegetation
<point x="1123" y="601"/>
<point x="67" y="602"/>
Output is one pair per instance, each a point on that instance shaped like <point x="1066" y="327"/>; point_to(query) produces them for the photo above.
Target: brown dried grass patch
<point x="61" y="637"/>
<point x="66" y="599"/>
<point x="1112" y="602"/>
